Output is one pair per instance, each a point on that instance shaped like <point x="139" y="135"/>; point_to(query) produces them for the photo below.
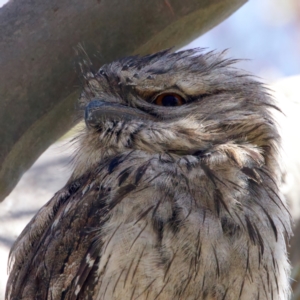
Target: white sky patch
<point x="2" y="2"/>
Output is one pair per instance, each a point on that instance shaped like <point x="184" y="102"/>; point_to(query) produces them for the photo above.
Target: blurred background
<point x="266" y="34"/>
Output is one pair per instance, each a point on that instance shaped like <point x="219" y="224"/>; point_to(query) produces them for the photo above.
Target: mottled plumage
<point x="165" y="202"/>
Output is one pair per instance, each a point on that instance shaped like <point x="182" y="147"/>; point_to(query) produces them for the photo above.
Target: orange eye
<point x="169" y="99"/>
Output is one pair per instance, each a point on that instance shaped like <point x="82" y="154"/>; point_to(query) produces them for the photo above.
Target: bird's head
<point x="184" y="103"/>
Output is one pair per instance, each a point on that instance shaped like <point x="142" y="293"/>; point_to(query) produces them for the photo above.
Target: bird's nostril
<point x="90" y="113"/>
<point x="97" y="103"/>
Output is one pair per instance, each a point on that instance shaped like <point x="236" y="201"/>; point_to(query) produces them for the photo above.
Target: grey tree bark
<point x="38" y="83"/>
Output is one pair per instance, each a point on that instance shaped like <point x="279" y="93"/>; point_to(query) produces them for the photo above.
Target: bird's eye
<point x="169" y="99"/>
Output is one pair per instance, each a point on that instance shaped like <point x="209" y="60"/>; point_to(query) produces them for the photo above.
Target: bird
<point x="175" y="190"/>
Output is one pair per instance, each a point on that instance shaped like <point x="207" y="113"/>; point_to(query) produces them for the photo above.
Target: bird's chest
<point x="148" y="259"/>
<point x="164" y="238"/>
<point x="151" y="241"/>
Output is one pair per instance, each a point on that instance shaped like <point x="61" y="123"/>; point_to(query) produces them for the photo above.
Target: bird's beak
<point x="98" y="111"/>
